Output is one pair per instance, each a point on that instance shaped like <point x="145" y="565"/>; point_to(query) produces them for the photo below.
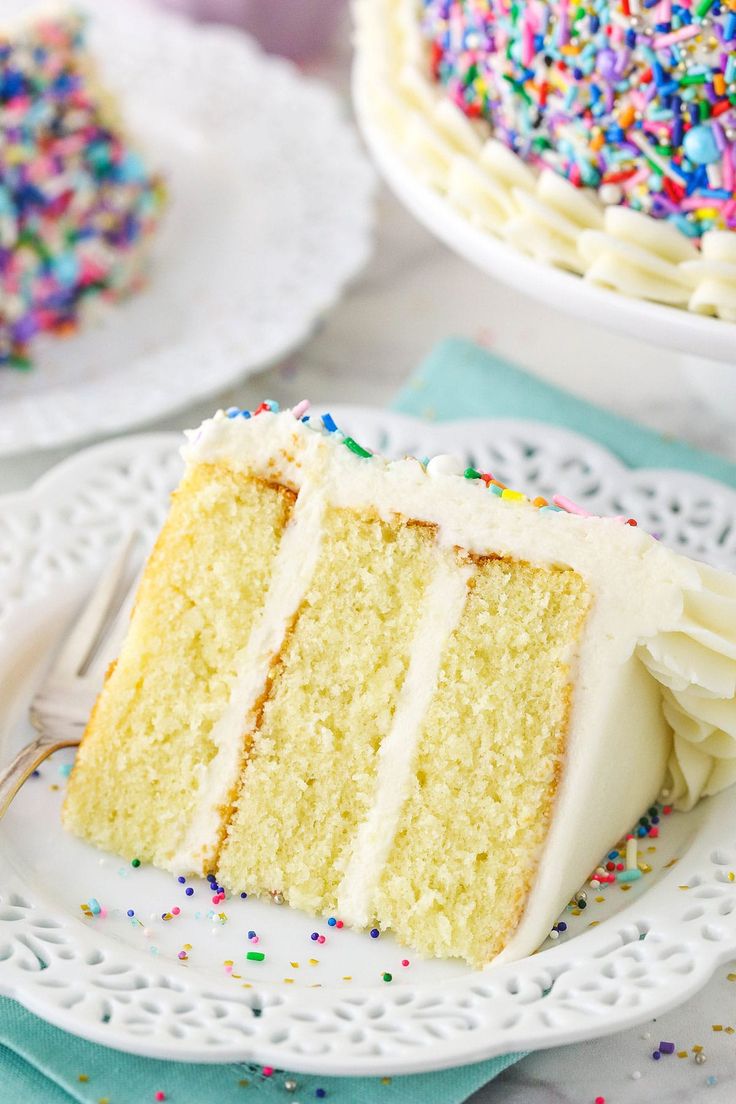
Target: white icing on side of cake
<point x="444" y="602"/>
<point x="541" y="214"/>
<point x="658" y="647"/>
<point x="618" y="745"/>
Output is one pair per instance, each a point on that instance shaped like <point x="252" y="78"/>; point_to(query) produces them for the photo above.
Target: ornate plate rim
<point x="533" y="1004"/>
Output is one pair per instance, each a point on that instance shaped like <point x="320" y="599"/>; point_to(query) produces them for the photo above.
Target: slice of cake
<point x="399" y="692"/>
<point x="77" y="203"/>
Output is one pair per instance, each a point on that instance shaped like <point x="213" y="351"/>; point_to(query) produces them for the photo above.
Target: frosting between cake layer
<point x="541" y="214"/>
<point x="443" y="604"/>
<point x="660" y="637"/>
<point x="293" y="570"/>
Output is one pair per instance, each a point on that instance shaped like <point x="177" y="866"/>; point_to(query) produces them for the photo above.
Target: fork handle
<point x="24" y="764"/>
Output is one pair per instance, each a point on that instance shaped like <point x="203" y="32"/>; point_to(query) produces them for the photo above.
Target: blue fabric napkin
<point x="460" y="380"/>
<point x="40" y="1064"/>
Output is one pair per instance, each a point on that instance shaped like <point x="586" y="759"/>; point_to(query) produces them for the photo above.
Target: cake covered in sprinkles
<point x="77" y="203"/>
<point x="400" y="693"/>
<point x="596" y="136"/>
<point x="637" y="100"/>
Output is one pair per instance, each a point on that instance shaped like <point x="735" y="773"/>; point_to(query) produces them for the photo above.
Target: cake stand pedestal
<point x="713" y="381"/>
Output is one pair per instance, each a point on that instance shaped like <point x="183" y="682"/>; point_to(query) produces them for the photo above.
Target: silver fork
<point x="61" y="706"/>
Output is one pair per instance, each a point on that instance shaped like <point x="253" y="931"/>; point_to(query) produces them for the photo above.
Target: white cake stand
<point x="708" y="344"/>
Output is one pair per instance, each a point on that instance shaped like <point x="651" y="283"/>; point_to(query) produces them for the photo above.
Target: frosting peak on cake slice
<point x="400" y="692"/>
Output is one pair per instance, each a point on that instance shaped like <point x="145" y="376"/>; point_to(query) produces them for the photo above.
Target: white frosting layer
<point x="292" y="573"/>
<point x="443" y="604"/>
<point x="542" y="214"/>
<point x="658" y="648"/>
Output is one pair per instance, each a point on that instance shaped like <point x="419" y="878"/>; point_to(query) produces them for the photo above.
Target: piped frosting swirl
<point x="695" y="663"/>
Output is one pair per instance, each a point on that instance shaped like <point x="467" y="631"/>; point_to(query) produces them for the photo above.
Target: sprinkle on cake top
<point x="636" y="100"/>
<point x="438" y="465"/>
<point x="75" y="201"/>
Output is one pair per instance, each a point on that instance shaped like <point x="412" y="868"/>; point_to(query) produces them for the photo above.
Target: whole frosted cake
<point x="599" y="137"/>
<point x="398" y="692"/>
<point x="77" y="203"/>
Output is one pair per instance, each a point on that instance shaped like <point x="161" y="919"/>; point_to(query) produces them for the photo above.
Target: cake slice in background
<point x="77" y="203"/>
<point x="398" y="692"/>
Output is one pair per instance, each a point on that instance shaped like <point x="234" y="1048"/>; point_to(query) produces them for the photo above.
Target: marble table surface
<point x="413" y="293"/>
<point x="620" y="1068"/>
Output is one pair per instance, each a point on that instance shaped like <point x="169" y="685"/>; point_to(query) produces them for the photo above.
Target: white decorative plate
<point x="106" y="979"/>
<point x="270" y="215"/>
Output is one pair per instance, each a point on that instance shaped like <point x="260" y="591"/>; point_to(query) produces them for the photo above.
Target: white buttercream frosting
<point x="695" y="663"/>
<point x="541" y="214"/>
<point x="292" y="574"/>
<point x="443" y="604"/>
<point x="657" y="655"/>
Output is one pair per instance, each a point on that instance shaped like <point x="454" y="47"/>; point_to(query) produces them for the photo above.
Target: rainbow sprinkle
<point x="635" y="98"/>
<point x="326" y="424"/>
<point x="614" y="871"/>
<point x="75" y="202"/>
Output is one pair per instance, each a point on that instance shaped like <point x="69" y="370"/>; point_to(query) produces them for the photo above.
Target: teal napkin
<point x="40" y="1064"/>
<point x="460" y="380"/>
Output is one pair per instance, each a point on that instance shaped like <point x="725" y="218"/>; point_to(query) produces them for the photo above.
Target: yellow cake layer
<point x="487" y="765"/>
<point x="484" y="760"/>
<point x="135" y="784"/>
<point x="309" y="780"/>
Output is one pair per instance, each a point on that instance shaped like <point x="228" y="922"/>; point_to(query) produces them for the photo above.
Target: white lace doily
<point x="104" y="979"/>
<point x="269" y="215"/>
